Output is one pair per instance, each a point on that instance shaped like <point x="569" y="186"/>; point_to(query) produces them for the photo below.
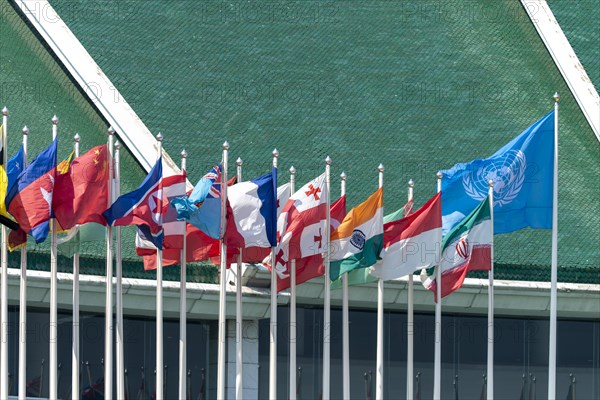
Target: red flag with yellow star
<point x="81" y="194"/>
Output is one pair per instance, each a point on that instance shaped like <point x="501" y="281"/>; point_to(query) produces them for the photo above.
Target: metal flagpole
<point x="490" y="349"/>
<point x="4" y="284"/>
<point x="327" y="293"/>
<point x="273" y="322"/>
<point x="53" y="335"/>
<point x="222" y="278"/>
<point x="239" y="359"/>
<point x="183" y="303"/>
<point x="437" y="365"/>
<point x="554" y="263"/>
<point x="379" y="375"/>
<point x="410" y="327"/>
<point x="23" y="301"/>
<point x="75" y="391"/>
<point x="119" y="284"/>
<point x="293" y="372"/>
<point x="345" y="317"/>
<point x="108" y="306"/>
<point x="160" y="373"/>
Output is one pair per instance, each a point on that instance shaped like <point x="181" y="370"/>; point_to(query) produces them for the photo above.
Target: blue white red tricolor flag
<point x="142" y="207"/>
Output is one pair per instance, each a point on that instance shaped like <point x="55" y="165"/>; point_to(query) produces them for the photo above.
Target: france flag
<point x="252" y="212"/>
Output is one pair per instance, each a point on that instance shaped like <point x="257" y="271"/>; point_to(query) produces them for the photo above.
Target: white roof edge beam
<point x="566" y="60"/>
<point x="95" y="84"/>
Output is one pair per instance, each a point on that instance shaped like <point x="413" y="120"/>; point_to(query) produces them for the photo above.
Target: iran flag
<point x="411" y="243"/>
<point x="467" y="247"/>
<point x="301" y="226"/>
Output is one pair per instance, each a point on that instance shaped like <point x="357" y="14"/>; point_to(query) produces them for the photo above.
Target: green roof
<point x="417" y="86"/>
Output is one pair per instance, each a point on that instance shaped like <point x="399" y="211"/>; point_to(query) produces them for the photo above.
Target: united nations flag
<point x="522" y="172"/>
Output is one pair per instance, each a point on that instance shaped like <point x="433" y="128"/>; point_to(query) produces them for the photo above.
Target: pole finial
<point x="55" y="120"/>
<point x="556" y="97"/>
<point x="118" y="145"/>
<point x="380" y="168"/>
<point x="239" y="161"/>
<point x="275" y="153"/>
<point x="5" y="111"/>
<point x="159" y="137"/>
<point x="77" y="138"/>
<point x="439" y="174"/>
<point x="328" y="160"/>
<point x="491" y="183"/>
<point x="183" y="153"/>
<point x="110" y="131"/>
<point x="343" y="176"/>
<point x="226" y="145"/>
<point x="411" y="183"/>
<point x="292" y="170"/>
<point x="25" y="130"/>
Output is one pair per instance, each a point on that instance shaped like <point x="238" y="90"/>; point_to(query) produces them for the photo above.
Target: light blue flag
<point x="203" y="206"/>
<point x="522" y="172"/>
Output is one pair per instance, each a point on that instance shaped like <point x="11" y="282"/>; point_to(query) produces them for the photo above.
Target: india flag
<point x="358" y="241"/>
<point x="467" y="247"/>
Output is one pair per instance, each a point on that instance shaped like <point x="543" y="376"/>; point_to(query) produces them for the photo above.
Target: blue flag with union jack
<point x="202" y="208"/>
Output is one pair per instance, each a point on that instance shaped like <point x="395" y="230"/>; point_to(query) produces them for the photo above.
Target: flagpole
<point x="159" y="301"/>
<point x="239" y="360"/>
<point x="410" y="327"/>
<point x="23" y="301"/>
<point x="75" y="342"/>
<point x="554" y="263"/>
<point x="490" y="349"/>
<point x="183" y="303"/>
<point x="273" y="322"/>
<point x="437" y="366"/>
<point x="53" y="336"/>
<point x="379" y="375"/>
<point x="4" y="284"/>
<point x="119" y="284"/>
<point x="327" y="293"/>
<point x="293" y="319"/>
<point x="223" y="283"/>
<point x="108" y="305"/>
<point x="345" y="317"/>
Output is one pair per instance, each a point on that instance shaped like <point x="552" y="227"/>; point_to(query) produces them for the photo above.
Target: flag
<point x="172" y="187"/>
<point x="253" y="254"/>
<point x="358" y="241"/>
<point x="199" y="247"/>
<point x="142" y="207"/>
<point x="467" y="247"/>
<point x="522" y="172"/>
<point x="31" y="203"/>
<point x="362" y="275"/>
<point x="252" y="213"/>
<point x="202" y="208"/>
<point x="411" y="243"/>
<point x="5" y="219"/>
<point x="301" y="225"/>
<point x="81" y="193"/>
<point x="311" y="267"/>
<point x="14" y="167"/>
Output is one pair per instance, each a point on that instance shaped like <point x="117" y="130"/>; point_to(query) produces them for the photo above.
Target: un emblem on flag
<point x="358" y="239"/>
<point x="507" y="172"/>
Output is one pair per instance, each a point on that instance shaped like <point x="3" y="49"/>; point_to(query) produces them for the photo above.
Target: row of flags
<point x="257" y="221"/>
<point x="260" y="215"/>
